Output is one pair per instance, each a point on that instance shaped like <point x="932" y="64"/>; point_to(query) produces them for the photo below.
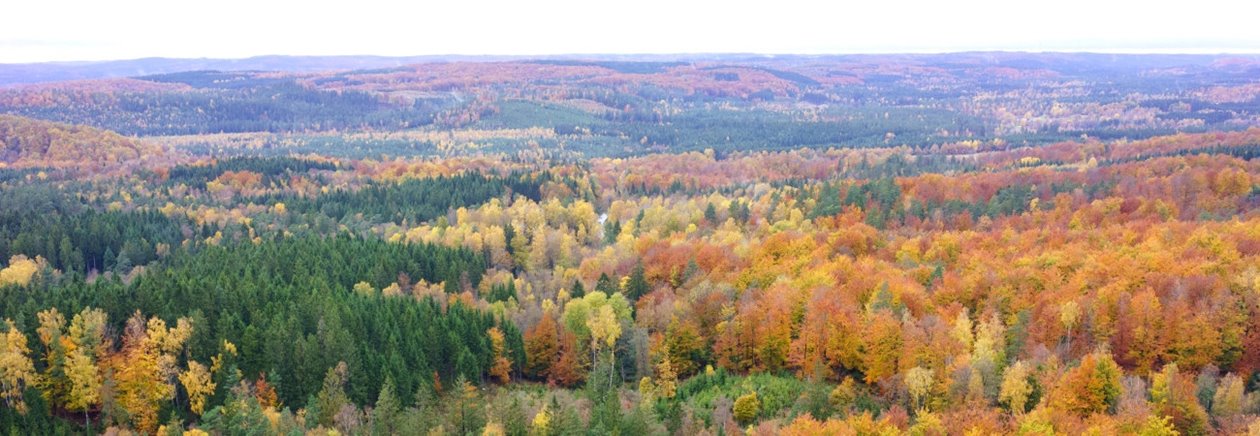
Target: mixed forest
<point x="963" y="244"/>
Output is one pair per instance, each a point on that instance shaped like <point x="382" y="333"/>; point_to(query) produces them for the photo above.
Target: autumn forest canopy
<point x="973" y="243"/>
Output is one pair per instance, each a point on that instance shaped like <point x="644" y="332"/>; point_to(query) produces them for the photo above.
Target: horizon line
<point x="1222" y="51"/>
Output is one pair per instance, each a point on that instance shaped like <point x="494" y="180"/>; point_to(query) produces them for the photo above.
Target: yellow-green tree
<point x="1230" y="397"/>
<point x="919" y="382"/>
<point x="54" y="384"/>
<point x="1015" y="388"/>
<point x="597" y="317"/>
<point x="746" y="408"/>
<point x="82" y="366"/>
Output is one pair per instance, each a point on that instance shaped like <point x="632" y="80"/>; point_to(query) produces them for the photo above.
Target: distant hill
<point x="17" y="74"/>
<point x="629" y="104"/>
<point x="28" y="142"/>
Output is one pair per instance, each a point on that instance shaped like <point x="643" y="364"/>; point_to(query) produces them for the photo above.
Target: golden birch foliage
<point x="604" y="326"/>
<point x="919" y="382"/>
<point x="198" y="384"/>
<point x="17" y="371"/>
<point x="82" y="366"/>
<point x="84" y="375"/>
<point x="1015" y="389"/>
<point x="991" y="341"/>
<point x="19" y="271"/>
<point x="963" y="329"/>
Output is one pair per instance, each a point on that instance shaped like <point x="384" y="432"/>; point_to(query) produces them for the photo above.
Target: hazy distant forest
<point x="961" y="244"/>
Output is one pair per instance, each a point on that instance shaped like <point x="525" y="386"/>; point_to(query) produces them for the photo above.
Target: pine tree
<point x="612" y="229"/>
<point x="605" y="285"/>
<point x="332" y="396"/>
<point x="387" y="410"/>
<point x="467" y="411"/>
<point x="637" y="286"/>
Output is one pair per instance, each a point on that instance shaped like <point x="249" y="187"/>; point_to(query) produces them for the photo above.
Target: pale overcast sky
<point x="62" y="30"/>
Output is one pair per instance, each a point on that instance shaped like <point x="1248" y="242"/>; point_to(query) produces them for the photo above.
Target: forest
<point x="965" y="244"/>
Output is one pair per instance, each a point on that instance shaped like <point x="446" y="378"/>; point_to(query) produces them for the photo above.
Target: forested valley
<point x="924" y="245"/>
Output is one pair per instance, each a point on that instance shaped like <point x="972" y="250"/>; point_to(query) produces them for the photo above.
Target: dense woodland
<point x="801" y="246"/>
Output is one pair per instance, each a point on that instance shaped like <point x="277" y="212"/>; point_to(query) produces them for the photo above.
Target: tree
<point x="881" y="346"/>
<point x="746" y="408"/>
<point x="684" y="347"/>
<point x="198" y="384"/>
<point x="919" y="382"/>
<point x="605" y="285"/>
<point x="87" y="344"/>
<point x="1069" y="315"/>
<point x="637" y="286"/>
<point x="568" y="369"/>
<point x="963" y="331"/>
<point x="588" y="319"/>
<point x="844" y="395"/>
<point x="53" y="382"/>
<point x="332" y="396"/>
<point x="612" y="229"/>
<point x="1229" y="399"/>
<point x="710" y="214"/>
<point x="17" y="372"/>
<point x="266" y="393"/>
<point x="1091" y="387"/>
<point x="1015" y="388"/>
<point x="145" y="368"/>
<point x="85" y="383"/>
<point x="666" y="379"/>
<point x="467" y="412"/>
<point x="1156" y="425"/>
<point x="19" y="271"/>
<point x="542" y="345"/>
<point x="541" y="425"/>
<point x="990" y="345"/>
<point x="365" y="289"/>
<point x="386" y="411"/>
<point x="828" y="202"/>
<point x="605" y="328"/>
<point x="1173" y="395"/>
<point x="501" y="367"/>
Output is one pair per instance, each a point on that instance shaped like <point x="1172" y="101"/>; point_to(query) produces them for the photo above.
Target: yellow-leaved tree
<point x="16" y="369"/>
<point x="145" y="367"/>
<point x="199" y="385"/>
<point x="501" y="369"/>
<point x="19" y="271"/>
<point x="86" y="346"/>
